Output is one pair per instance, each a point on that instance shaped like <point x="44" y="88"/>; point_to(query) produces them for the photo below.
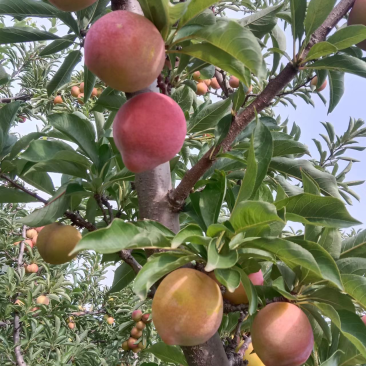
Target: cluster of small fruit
<point x="135" y="343"/>
<point x="78" y="93"/>
<point x="204" y="84"/>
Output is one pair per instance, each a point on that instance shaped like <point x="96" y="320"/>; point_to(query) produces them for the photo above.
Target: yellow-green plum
<point x="239" y="296"/>
<point x="187" y="308"/>
<point x="201" y="88"/>
<point x="125" y="50"/>
<point x="149" y="130"/>
<point x="282" y="335"/>
<point x="56" y="241"/>
<point x="314" y="83"/>
<point x="72" y="5"/>
<point x="357" y="16"/>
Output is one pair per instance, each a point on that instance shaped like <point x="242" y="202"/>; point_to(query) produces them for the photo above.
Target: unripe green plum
<point x="282" y="335"/>
<point x="239" y="296"/>
<point x="72" y="5"/>
<point x="125" y="346"/>
<point x="357" y="16"/>
<point x="56" y="241"/>
<point x="149" y="130"/>
<point x="187" y="308"/>
<point x="137" y="60"/>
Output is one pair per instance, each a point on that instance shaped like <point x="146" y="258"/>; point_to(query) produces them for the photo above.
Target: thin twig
<point x="127" y="257"/>
<point x="108" y="205"/>
<point x="22" y="97"/>
<point x="297" y="88"/>
<point x="98" y="198"/>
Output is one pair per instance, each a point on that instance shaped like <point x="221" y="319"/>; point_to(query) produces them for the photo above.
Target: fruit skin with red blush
<point x="149" y="130"/>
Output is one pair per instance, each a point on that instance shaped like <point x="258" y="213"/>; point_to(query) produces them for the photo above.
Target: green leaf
<point x="354" y="266"/>
<point x="262" y="21"/>
<point x="298" y="13"/>
<point x="333" y="360"/>
<point x="148" y="239"/>
<point x="194" y="9"/>
<point x="217" y="57"/>
<point x="327" y="265"/>
<point x="42" y="150"/>
<point x="292" y="167"/>
<point x="78" y="130"/>
<point x="249" y="290"/>
<point x="165" y="353"/>
<point x="317" y="210"/>
<point x="336" y="87"/>
<point x="11" y="195"/>
<point x="319" y="50"/>
<point x="333" y="297"/>
<point x="30" y="8"/>
<point x="279" y="41"/>
<point x="230" y="278"/>
<point x="7" y="117"/>
<point x="318" y="11"/>
<point x="110" y="99"/>
<point x="89" y="82"/>
<point x="209" y="116"/>
<point x="184" y="96"/>
<point x="284" y="144"/>
<point x="348" y="36"/>
<point x="354" y="246"/>
<point x="252" y="215"/>
<point x="158" y="13"/>
<point x="184" y="235"/>
<point x="104" y="240"/>
<point x="4" y="77"/>
<point x="58" y="45"/>
<point x="63" y="74"/>
<point x="20" y="35"/>
<point x="224" y="259"/>
<point x="331" y="241"/>
<point x="288" y="252"/>
<point x="157" y="267"/>
<point x="259" y="157"/>
<point x="350" y="324"/>
<point x="41" y="181"/>
<point x="177" y="11"/>
<point x="236" y="41"/>
<point x="48" y="214"/>
<point x="342" y="63"/>
<point x="320" y="320"/>
<point x="355" y="286"/>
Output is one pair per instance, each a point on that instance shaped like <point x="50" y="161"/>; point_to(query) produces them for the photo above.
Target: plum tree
<point x="201" y="88"/>
<point x="215" y="84"/>
<point x="56" y="241"/>
<point x="149" y="130"/>
<point x="357" y="16"/>
<point x="132" y="65"/>
<point x="175" y="311"/>
<point x="75" y="91"/>
<point x="234" y="82"/>
<point x="239" y="296"/>
<point x="43" y="300"/>
<point x="282" y="335"/>
<point x="72" y="5"/>
<point x="314" y="83"/>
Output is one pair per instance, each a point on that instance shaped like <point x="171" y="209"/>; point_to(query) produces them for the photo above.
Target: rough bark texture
<point x="274" y="87"/>
<point x="211" y="353"/>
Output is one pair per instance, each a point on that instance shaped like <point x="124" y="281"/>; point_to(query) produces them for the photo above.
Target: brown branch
<point x="127" y="257"/>
<point x="98" y="198"/>
<point x="22" y="97"/>
<point x="17" y="325"/>
<point x="275" y="86"/>
<point x="108" y="205"/>
<point x="75" y="218"/>
<point x="220" y="77"/>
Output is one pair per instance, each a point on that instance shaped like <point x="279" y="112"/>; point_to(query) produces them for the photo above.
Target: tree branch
<point x="17" y="325"/>
<point x="127" y="257"/>
<point x="75" y="218"/>
<point x="108" y="205"/>
<point x="275" y="86"/>
<point x="100" y="204"/>
<point x="22" y="97"/>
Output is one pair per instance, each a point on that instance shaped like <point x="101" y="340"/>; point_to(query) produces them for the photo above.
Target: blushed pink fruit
<point x="282" y="335"/>
<point x="149" y="130"/>
<point x="125" y="50"/>
<point x="136" y="315"/>
<point x="357" y="16"/>
<point x="187" y="308"/>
